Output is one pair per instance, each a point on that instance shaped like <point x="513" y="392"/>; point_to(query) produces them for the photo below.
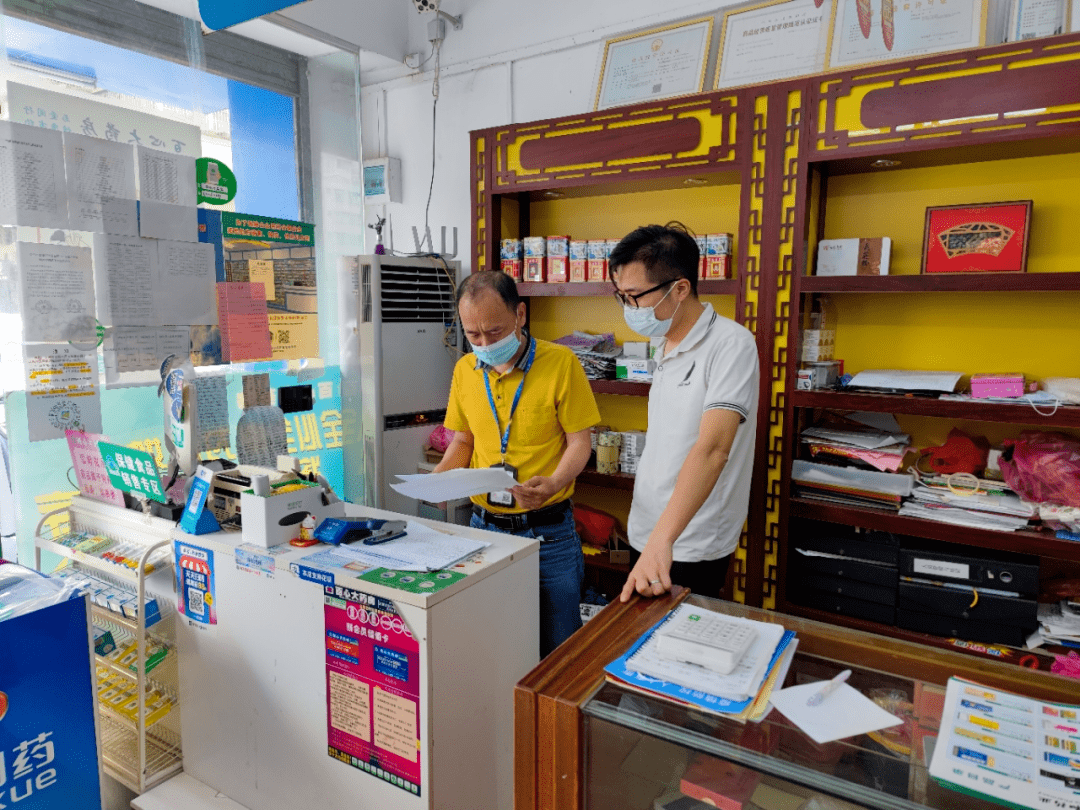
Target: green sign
<point x="266" y="229"/>
<point x="132" y="470"/>
<point x="215" y="181"/>
<point x="413" y="581"/>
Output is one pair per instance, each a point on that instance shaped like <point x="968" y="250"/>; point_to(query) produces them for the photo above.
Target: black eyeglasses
<point x="626" y="299"/>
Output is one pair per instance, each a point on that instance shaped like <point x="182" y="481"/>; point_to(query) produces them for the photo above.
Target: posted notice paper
<point x="61" y="391"/>
<point x="101" y="185"/>
<point x="56" y="284"/>
<point x="167" y="196"/>
<point x="33" y="189"/>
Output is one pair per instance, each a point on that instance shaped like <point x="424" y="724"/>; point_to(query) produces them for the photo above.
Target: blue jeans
<point x="562" y="570"/>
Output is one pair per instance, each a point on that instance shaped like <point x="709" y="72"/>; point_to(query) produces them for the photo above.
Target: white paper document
<point x="125" y="276"/>
<point x="101" y="185"/>
<point x="420" y="549"/>
<point x="844" y="713"/>
<point x="849" y="477"/>
<point x="61" y="391"/>
<point x="158" y="220"/>
<point x="212" y="411"/>
<point x="137" y="348"/>
<point x="904" y="380"/>
<point x="57" y="290"/>
<point x="186" y="277"/>
<point x="33" y="189"/>
<point x="260" y="436"/>
<point x="868" y="439"/>
<point x="166" y="177"/>
<point x="460" y="483"/>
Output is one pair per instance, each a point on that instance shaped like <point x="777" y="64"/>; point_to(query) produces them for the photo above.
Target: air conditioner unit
<point x="399" y="343"/>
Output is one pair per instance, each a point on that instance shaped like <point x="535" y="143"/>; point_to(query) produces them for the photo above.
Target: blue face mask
<point x="500" y="352"/>
<point x="643" y="320"/>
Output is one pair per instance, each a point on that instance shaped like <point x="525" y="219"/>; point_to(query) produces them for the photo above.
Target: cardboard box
<point x="510" y="258"/>
<point x="634" y="368"/>
<point x="854" y="257"/>
<point x="579" y="260"/>
<point x="598" y="263"/>
<point x="818" y="344"/>
<point x="702" y="247"/>
<point x="997" y="385"/>
<point x="275" y="519"/>
<point x="635" y="348"/>
<point x="718" y="255"/>
<point x="558" y="258"/>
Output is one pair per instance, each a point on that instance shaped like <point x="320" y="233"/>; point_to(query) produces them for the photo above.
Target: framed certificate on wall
<point x="655" y="64"/>
<point x="774" y="40"/>
<point x="868" y="31"/>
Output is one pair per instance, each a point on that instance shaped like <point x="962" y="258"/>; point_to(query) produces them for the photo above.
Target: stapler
<point x="372" y="531"/>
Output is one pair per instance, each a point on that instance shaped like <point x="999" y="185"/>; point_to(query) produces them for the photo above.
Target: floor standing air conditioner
<point x="400" y="341"/>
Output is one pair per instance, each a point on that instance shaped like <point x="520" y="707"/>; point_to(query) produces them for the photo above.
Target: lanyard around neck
<point x="505" y="434"/>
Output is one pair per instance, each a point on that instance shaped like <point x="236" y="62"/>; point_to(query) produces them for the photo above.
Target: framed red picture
<point x="982" y="238"/>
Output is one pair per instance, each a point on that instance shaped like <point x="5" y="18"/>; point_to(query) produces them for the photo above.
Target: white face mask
<point x="500" y="352"/>
<point x="643" y="320"/>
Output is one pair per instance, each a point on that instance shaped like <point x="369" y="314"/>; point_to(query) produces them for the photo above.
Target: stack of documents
<point x="905" y="382"/>
<point x="1003" y="512"/>
<point x="452" y="484"/>
<point x="868" y="440"/>
<point x="1059" y="623"/>
<point x="740" y="695"/>
<point x="597" y="353"/>
<point x="850" y="486"/>
<point x="421" y="548"/>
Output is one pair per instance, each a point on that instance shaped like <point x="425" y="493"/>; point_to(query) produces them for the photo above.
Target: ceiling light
<point x="694" y="181"/>
<point x="884" y="163"/>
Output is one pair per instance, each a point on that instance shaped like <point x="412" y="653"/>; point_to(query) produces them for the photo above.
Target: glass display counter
<point x="633" y="750"/>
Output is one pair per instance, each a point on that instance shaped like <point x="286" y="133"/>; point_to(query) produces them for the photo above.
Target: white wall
<point x="511" y="62"/>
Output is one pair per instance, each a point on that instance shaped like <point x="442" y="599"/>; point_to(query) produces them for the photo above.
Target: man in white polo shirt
<point x="693" y="479"/>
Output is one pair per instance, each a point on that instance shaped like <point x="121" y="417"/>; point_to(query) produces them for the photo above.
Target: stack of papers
<point x="998" y="512"/>
<point x="850" y="486"/>
<point x="903" y="381"/>
<point x="420" y="549"/>
<point x="741" y="695"/>
<point x="881" y="445"/>
<point x="597" y="353"/>
<point x="452" y="484"/>
<point x="1058" y="624"/>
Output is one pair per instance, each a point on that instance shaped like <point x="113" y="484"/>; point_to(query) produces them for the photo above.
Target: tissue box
<point x="275" y="519"/>
<point x="854" y="257"/>
<point x="997" y="385"/>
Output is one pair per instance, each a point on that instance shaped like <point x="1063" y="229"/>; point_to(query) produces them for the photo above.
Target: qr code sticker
<point x="196" y="604"/>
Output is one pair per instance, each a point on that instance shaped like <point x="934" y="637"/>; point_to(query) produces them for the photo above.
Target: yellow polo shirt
<point x="556" y="400"/>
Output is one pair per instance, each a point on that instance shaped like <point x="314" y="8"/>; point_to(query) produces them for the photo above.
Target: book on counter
<point x="741" y="695"/>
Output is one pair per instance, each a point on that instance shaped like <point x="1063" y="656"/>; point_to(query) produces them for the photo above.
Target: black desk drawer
<point x="965" y="629"/>
<point x="843" y="545"/>
<point x="968" y="605"/>
<point x="1003" y="572"/>
<point x="841" y="586"/>
<point x="844" y="605"/>
<point x="859" y="570"/>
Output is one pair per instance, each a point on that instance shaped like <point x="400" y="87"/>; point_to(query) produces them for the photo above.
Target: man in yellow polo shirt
<point x="526" y="404"/>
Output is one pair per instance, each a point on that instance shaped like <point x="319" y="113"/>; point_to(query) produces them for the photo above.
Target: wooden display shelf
<point x="1041" y="543"/>
<point x="625" y="388"/>
<point x="727" y="286"/>
<point x="943" y="282"/>
<point x="977" y="410"/>
<point x="621" y="481"/>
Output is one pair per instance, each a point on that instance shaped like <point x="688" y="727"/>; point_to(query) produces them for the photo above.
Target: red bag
<point x="1043" y="467"/>
<point x="593" y="526"/>
<point x="440" y="438"/>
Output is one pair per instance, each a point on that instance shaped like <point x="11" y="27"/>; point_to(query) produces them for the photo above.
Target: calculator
<point x="705" y="638"/>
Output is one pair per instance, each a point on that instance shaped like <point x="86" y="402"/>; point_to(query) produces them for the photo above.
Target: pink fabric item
<point x="1043" y="467"/>
<point x="440" y="438"/>
<point x="1068" y="665"/>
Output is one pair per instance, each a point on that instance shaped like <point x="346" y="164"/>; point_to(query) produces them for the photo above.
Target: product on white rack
<point x="707" y="639"/>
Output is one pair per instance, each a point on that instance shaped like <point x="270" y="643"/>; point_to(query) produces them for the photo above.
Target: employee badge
<point x="504" y="498"/>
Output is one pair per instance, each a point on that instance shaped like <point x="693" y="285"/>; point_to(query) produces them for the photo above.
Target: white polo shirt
<point x="715" y="366"/>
